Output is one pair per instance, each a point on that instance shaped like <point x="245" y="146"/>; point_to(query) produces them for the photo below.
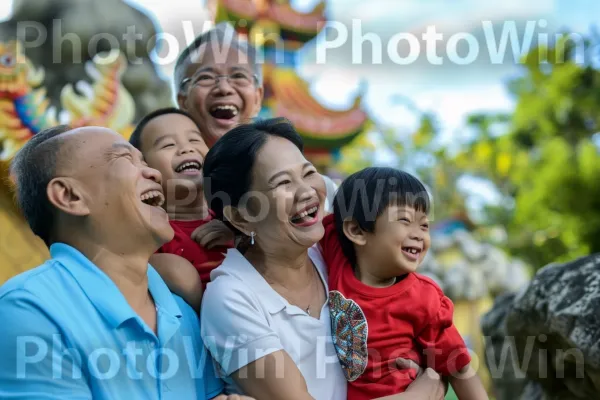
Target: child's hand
<point x="212" y="234"/>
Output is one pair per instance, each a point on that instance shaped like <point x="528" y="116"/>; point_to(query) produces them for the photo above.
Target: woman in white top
<point x="265" y="316"/>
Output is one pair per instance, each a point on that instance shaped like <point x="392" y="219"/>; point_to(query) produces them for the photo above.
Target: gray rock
<point x="430" y="265"/>
<point x="532" y="391"/>
<point x="471" y="248"/>
<point x="464" y="281"/>
<point x="500" y="351"/>
<point x="556" y="325"/>
<point x="434" y="278"/>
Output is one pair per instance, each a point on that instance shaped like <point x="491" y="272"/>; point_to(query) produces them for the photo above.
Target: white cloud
<point x="479" y="191"/>
<point x="335" y="87"/>
<point x="5" y="9"/>
<point x="304" y="5"/>
<point x="452" y="106"/>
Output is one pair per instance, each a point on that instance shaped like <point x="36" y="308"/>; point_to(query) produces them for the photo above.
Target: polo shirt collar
<point x="162" y="295"/>
<point x="102" y="291"/>
<point x="168" y="313"/>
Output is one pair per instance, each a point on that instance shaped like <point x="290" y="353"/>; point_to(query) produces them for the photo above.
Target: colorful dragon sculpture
<point x="25" y="110"/>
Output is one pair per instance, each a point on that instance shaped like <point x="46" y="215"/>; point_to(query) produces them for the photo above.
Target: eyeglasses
<point x="206" y="79"/>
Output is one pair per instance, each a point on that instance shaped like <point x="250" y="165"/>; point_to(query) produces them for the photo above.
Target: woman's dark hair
<point x="136" y="136"/>
<point x="365" y="195"/>
<point x="228" y="164"/>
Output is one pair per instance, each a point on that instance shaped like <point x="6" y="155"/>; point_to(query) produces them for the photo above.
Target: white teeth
<point x="306" y="212"/>
<point x="233" y="108"/>
<point x="157" y="198"/>
<point x="188" y="164"/>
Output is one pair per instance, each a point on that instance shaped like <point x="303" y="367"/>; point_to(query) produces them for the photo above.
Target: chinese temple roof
<point x="321" y="128"/>
<point x="294" y="28"/>
<point x="286" y="94"/>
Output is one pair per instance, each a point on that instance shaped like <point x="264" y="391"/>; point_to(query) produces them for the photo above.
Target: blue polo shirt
<point x="67" y="332"/>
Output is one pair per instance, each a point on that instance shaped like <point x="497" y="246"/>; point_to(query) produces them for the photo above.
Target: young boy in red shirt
<point x="170" y="142"/>
<point x="380" y="308"/>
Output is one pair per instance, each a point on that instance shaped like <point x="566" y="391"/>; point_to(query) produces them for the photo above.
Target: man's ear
<point x="235" y="218"/>
<point x="66" y="195"/>
<point x="260" y="91"/>
<point x="354" y="232"/>
<point x="181" y="100"/>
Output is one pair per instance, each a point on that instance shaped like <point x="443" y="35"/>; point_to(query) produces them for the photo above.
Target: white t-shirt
<point x="244" y="319"/>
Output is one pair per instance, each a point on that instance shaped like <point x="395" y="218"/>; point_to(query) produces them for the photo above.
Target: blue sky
<point x="451" y="91"/>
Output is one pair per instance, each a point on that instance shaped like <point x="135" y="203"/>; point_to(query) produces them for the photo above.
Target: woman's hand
<point x="427" y="386"/>
<point x="212" y="234"/>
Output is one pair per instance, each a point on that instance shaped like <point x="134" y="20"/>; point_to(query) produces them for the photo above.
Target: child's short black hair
<point x="136" y="136"/>
<point x="365" y="195"/>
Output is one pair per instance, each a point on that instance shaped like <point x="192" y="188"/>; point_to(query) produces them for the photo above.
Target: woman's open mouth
<point x="306" y="217"/>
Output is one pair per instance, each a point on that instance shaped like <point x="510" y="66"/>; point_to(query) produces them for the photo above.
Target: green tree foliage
<point x="546" y="164"/>
<point x="542" y="157"/>
<point x="417" y="152"/>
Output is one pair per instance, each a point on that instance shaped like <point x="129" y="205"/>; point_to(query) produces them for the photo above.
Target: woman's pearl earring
<point x="252" y="234"/>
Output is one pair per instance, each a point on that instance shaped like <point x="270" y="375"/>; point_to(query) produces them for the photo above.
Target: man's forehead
<point x="168" y="125"/>
<point x="93" y="141"/>
<point x="218" y="56"/>
<point x="91" y="136"/>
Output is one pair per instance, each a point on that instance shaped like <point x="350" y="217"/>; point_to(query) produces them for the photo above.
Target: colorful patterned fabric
<point x="350" y="330"/>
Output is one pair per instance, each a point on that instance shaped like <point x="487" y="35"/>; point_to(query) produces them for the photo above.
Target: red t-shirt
<point x="372" y="327"/>
<point x="184" y="246"/>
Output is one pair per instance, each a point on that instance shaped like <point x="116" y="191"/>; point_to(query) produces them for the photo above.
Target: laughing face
<point x="286" y="202"/>
<point x="122" y="196"/>
<point x="222" y="91"/>
<point x="400" y="241"/>
<point x="173" y="145"/>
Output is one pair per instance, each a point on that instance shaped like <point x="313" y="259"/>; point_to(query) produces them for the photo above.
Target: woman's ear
<point x="67" y="196"/>
<point x="354" y="232"/>
<point x="235" y="218"/>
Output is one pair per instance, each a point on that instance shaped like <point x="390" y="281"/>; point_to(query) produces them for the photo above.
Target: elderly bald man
<point x="95" y="320"/>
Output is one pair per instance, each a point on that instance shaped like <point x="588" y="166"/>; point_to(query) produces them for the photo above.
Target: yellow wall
<point x="20" y="249"/>
<point x="467" y="317"/>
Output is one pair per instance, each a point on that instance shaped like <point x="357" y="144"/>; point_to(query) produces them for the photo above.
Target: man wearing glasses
<point x="219" y="82"/>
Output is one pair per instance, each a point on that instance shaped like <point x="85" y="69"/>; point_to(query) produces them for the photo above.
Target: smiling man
<point x="96" y="321"/>
<point x="219" y="82"/>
